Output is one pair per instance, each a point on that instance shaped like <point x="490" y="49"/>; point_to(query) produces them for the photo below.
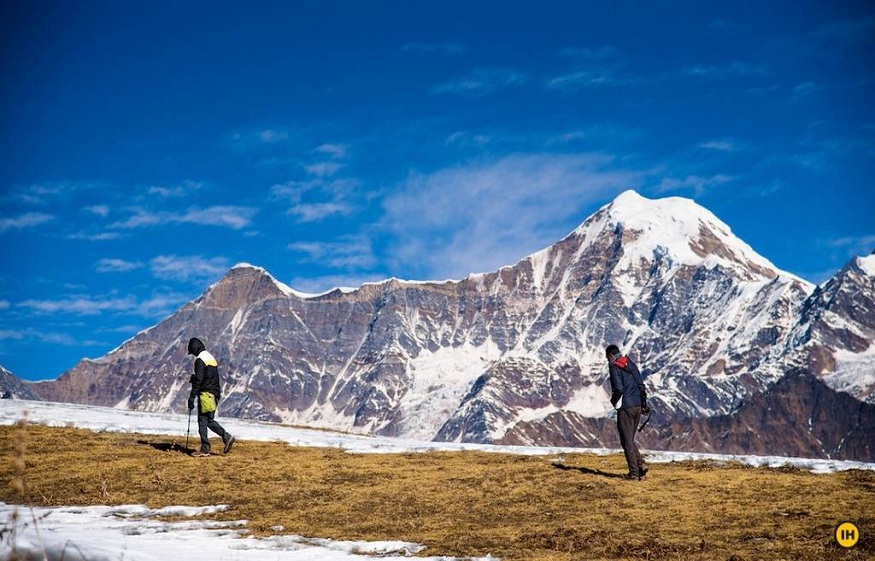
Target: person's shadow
<point x="585" y="470"/>
<point x="168" y="447"/>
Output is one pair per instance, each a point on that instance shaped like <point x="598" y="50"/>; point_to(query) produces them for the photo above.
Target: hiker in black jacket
<point x="627" y="388"/>
<point x="206" y="391"/>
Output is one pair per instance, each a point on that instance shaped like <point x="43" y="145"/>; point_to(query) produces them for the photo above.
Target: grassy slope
<point x="461" y="503"/>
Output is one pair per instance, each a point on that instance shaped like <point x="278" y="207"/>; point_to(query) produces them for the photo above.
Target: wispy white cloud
<point x="99" y="210"/>
<point x="481" y="81"/>
<point x="719" y="146"/>
<point x="824" y="148"/>
<point x="445" y="49"/>
<point x="295" y="191"/>
<point x="188" y="268"/>
<point x="142" y="217"/>
<point x="464" y="139"/>
<point x="234" y="217"/>
<point x="50" y="337"/>
<point x="335" y="151"/>
<point x="161" y="304"/>
<point x="593" y="68"/>
<point x="292" y="191"/>
<point x="254" y="137"/>
<point x="182" y="190"/>
<point x="108" y="265"/>
<point x="806" y="88"/>
<point x="849" y="32"/>
<point x="51" y="192"/>
<point x="698" y="184"/>
<point x="65" y="339"/>
<point x="318" y="198"/>
<point x="349" y="253"/>
<point x="323" y="169"/>
<point x="734" y="69"/>
<point x="124" y="329"/>
<point x="81" y="305"/>
<point x="98" y="237"/>
<point x="603" y="134"/>
<point x="324" y="192"/>
<point x="568" y="137"/>
<point x="587" y="78"/>
<point x="13" y="334"/>
<point x="272" y="135"/>
<point x="25" y="220"/>
<point x="4" y="304"/>
<point x="38" y="194"/>
<point x="484" y="215"/>
<point x="854" y="245"/>
<point x="313" y="212"/>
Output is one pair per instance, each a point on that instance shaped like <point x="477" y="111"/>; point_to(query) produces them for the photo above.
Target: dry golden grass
<point x="463" y="503"/>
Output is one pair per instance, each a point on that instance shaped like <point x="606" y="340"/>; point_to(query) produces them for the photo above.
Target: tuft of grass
<point x="18" y="481"/>
<point x="465" y="503"/>
<point x="18" y="489"/>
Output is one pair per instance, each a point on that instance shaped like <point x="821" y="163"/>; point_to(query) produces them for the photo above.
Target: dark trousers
<point x="627" y="425"/>
<point x="208" y="421"/>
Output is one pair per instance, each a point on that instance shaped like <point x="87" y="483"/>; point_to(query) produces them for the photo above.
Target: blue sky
<point x="147" y="147"/>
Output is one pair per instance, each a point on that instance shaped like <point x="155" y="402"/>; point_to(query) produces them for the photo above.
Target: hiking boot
<point x="642" y="471"/>
<point x="228" y="445"/>
<point x="630" y="477"/>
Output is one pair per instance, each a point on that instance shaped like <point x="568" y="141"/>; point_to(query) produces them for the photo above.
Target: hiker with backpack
<point x="206" y="392"/>
<point x="627" y="388"/>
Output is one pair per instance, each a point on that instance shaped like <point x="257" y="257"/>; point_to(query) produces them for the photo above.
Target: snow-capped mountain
<point x="515" y="355"/>
<point x="837" y="327"/>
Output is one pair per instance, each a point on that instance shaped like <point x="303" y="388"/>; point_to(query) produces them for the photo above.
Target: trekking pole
<point x="188" y="430"/>
<point x="646" y="419"/>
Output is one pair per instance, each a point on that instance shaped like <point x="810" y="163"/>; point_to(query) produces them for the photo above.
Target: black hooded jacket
<point x="626" y="382"/>
<point x="206" y="371"/>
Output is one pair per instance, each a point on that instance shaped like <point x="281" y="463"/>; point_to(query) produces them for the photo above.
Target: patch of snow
<point x="591" y="401"/>
<point x="854" y="373"/>
<point x="673" y="222"/>
<point x="321" y="416"/>
<point x="136" y="533"/>
<point x="105" y="419"/>
<point x="867" y="264"/>
<point x="440" y="381"/>
<point x="540" y="260"/>
<point x="237" y="321"/>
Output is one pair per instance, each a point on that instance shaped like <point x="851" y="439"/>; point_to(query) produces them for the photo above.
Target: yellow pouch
<point x="208" y="402"/>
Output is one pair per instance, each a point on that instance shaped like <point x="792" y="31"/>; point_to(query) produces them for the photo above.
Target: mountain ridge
<point x="712" y="323"/>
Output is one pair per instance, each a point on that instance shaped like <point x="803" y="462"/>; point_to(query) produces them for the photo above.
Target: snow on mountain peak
<point x="284" y="288"/>
<point x="683" y="230"/>
<point x="680" y="214"/>
<point x="867" y="264"/>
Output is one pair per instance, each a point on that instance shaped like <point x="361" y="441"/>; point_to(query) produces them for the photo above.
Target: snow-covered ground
<point x="135" y="533"/>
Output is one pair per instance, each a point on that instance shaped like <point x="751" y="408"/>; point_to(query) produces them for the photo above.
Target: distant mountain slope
<point x="12" y="387"/>
<point x="836" y="330"/>
<point x="800" y="415"/>
<point x="516" y="354"/>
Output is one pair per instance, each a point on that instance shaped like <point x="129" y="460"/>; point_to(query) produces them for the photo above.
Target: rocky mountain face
<point x="517" y="355"/>
<point x="833" y="338"/>
<point x="12" y="387"/>
<point x="799" y="416"/>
